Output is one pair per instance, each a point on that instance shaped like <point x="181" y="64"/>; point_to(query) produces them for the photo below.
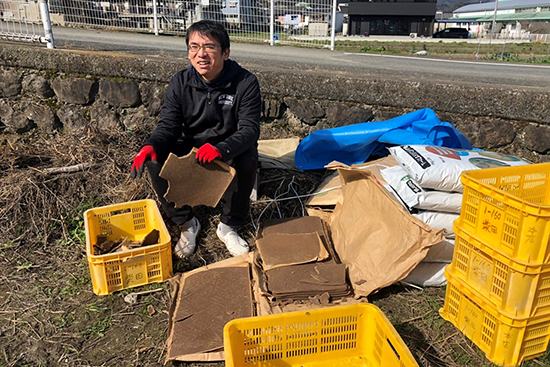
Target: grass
<point x="98" y="328"/>
<point x="63" y="322"/>
<point x="75" y="223"/>
<point x="526" y="52"/>
<point x="67" y="292"/>
<point x="537" y="53"/>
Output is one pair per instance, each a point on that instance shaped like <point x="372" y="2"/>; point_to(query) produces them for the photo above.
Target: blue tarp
<point x="353" y="144"/>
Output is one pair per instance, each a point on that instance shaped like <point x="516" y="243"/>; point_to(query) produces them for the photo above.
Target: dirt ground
<point x="49" y="315"/>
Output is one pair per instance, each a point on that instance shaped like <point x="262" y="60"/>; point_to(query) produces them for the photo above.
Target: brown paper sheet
<point x="277" y="153"/>
<point x="374" y="236"/>
<point x="261" y="294"/>
<point x="330" y="191"/>
<point x="323" y="213"/>
<point x="281" y="249"/>
<point x="190" y="183"/>
<point x="177" y="285"/>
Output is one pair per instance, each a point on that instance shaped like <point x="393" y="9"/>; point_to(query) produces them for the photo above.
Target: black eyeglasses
<point x="209" y="48"/>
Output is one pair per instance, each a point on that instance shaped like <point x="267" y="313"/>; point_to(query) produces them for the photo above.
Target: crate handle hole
<point x="120" y="211"/>
<point x="393" y="348"/>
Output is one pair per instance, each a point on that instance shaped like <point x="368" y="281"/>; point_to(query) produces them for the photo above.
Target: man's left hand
<point x="207" y="153"/>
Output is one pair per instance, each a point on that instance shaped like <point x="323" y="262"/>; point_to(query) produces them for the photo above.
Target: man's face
<point x="208" y="60"/>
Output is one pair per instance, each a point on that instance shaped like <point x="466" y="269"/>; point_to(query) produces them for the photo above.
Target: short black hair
<point x="211" y="29"/>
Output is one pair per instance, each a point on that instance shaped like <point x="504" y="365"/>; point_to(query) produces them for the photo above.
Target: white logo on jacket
<point x="226" y="99"/>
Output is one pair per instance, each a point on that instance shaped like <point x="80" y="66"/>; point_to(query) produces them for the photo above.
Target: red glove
<point x="207" y="153"/>
<point x="145" y="154"/>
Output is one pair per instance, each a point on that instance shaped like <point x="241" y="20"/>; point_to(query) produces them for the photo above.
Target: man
<point x="214" y="106"/>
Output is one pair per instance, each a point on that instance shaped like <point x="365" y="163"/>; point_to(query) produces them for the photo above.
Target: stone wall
<point x="48" y="102"/>
<point x="53" y="91"/>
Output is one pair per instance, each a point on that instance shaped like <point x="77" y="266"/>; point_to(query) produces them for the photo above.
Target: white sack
<point x="439" y="168"/>
<point x="427" y="275"/>
<point x="439" y="220"/>
<point x="415" y="197"/>
<point x="441" y="252"/>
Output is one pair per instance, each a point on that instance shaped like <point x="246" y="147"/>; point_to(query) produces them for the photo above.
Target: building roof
<point x="455" y="21"/>
<point x="541" y="15"/>
<point x="502" y="5"/>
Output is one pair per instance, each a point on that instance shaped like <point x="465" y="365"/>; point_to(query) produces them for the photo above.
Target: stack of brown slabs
<point x="280" y="249"/>
<point x="299" y="282"/>
<point x="208" y="300"/>
<point x="299" y="225"/>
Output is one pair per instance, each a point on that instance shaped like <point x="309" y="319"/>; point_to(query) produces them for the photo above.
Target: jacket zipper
<point x="209" y="100"/>
<point x="208" y="97"/>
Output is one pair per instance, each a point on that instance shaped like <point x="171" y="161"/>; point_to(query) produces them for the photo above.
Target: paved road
<point x="413" y="68"/>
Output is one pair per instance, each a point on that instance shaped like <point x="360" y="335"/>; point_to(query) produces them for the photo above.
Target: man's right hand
<point x="145" y="154"/>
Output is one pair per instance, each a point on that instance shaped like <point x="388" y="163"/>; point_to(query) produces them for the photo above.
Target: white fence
<point x="270" y="21"/>
<point x="25" y="21"/>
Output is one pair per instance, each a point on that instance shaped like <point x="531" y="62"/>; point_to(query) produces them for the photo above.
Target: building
<point x="391" y="17"/>
<point x="514" y="18"/>
<point x="28" y="11"/>
<point x="246" y="14"/>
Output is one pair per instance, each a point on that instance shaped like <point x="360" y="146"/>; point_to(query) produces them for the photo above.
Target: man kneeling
<point x="214" y="106"/>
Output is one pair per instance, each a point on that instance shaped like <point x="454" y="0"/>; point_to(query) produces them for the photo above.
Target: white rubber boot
<point x="234" y="243"/>
<point x="188" y="240"/>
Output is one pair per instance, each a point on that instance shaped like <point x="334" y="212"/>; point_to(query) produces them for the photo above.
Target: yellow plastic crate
<point x="515" y="289"/>
<point x="506" y="341"/>
<point x="351" y="335"/>
<point x="509" y="209"/>
<point x="122" y="270"/>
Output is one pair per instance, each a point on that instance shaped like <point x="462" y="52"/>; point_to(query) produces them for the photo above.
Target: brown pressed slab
<point x="208" y="300"/>
<point x="298" y="225"/>
<point x="190" y="183"/>
<point x="279" y="249"/>
<point x="292" y="225"/>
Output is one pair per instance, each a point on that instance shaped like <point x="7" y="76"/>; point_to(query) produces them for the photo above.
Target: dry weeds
<point x="49" y="315"/>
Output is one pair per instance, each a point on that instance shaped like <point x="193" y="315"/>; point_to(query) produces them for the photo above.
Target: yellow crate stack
<point x="498" y="291"/>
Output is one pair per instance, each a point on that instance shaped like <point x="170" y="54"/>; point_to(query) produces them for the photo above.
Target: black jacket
<point x="224" y="113"/>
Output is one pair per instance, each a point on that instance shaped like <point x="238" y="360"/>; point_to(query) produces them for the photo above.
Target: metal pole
<point x="478" y="41"/>
<point x="45" y="14"/>
<point x="271" y="22"/>
<point x="333" y="25"/>
<point x="155" y="17"/>
<point x="493" y="27"/>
